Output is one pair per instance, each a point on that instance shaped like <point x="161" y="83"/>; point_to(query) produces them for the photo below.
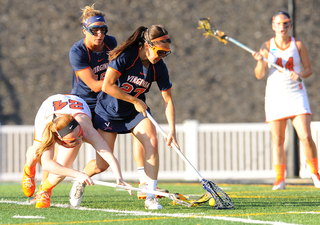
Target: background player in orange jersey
<point x="286" y="97"/>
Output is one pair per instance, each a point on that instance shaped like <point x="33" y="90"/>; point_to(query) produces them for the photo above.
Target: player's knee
<point x="154" y="142"/>
<point x="278" y="141"/>
<point x="306" y="139"/>
<point x="101" y="167"/>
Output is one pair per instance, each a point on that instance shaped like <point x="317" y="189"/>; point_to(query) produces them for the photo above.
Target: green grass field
<point x="254" y="204"/>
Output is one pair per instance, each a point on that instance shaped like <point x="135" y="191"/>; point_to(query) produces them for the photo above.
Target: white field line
<point x="28" y="217"/>
<point x="176" y="215"/>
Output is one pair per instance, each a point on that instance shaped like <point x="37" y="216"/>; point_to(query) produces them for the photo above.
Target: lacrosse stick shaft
<point x="252" y="51"/>
<point x="168" y="195"/>
<point x="103" y="183"/>
<point x="173" y="145"/>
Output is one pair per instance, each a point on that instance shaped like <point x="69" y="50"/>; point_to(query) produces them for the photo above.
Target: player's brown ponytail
<point x="138" y="38"/>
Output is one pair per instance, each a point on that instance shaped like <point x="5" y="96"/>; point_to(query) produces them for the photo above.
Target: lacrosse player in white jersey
<point x="286" y="95"/>
<point x="65" y="120"/>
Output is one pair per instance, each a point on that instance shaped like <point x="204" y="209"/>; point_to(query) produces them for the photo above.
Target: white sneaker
<point x="152" y="203"/>
<point x="316" y="179"/>
<point x="76" y="194"/>
<point x="279" y="186"/>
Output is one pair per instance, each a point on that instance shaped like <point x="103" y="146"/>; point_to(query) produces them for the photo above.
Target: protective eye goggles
<point x="285" y="23"/>
<point x="93" y="30"/>
<point x="160" y="51"/>
<point x="74" y="140"/>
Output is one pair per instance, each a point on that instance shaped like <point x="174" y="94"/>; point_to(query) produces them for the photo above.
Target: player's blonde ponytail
<point x="89" y="11"/>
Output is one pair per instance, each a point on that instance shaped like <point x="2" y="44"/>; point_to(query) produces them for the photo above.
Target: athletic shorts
<point x="118" y="126"/>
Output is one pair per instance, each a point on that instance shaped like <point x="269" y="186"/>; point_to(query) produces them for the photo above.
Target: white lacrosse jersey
<point x="284" y="97"/>
<point x="58" y="104"/>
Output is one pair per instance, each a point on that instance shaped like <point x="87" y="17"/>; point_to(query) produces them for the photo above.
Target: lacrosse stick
<point x="221" y="198"/>
<point x="203" y="199"/>
<point x="205" y="24"/>
<point x="174" y="197"/>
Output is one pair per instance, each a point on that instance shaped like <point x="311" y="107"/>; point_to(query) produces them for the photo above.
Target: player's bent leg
<point x="44" y="194"/>
<point x="29" y="170"/>
<point x="28" y="180"/>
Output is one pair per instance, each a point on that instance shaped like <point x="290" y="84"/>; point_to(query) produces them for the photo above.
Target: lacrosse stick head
<point x="203" y="199"/>
<point x="180" y="199"/>
<point x="204" y="23"/>
<point x="222" y="200"/>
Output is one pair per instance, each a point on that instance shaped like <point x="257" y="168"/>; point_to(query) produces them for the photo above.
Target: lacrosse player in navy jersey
<point x="121" y="106"/>
<point x="89" y="60"/>
<point x="89" y="56"/>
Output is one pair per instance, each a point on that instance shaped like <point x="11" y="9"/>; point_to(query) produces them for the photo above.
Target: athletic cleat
<point x="28" y="185"/>
<point x="76" y="194"/>
<point x="142" y="195"/>
<point x="33" y="200"/>
<point x="152" y="203"/>
<point x="316" y="179"/>
<point x="279" y="185"/>
<point x="43" y="199"/>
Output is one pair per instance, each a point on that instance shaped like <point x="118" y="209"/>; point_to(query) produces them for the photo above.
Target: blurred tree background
<point x="212" y="82"/>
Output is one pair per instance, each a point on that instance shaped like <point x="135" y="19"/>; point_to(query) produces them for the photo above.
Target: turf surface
<point x="254" y="204"/>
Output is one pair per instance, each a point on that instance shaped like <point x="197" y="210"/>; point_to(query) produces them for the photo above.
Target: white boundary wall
<point x="218" y="151"/>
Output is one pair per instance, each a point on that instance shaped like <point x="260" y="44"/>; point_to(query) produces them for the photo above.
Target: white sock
<point x="151" y="185"/>
<point x="142" y="175"/>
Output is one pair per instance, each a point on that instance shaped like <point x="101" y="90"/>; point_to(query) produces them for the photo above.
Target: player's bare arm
<point x="170" y="114"/>
<point x="110" y="87"/>
<point x="51" y="166"/>
<point x="88" y="77"/>
<point x="261" y="67"/>
<point x="305" y="60"/>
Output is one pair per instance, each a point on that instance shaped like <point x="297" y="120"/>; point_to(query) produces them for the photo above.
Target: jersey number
<point x="289" y="64"/>
<point x="73" y="104"/>
<point x="129" y="88"/>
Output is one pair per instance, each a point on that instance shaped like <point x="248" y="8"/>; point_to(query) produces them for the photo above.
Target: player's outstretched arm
<point x="92" y="136"/>
<point x="51" y="166"/>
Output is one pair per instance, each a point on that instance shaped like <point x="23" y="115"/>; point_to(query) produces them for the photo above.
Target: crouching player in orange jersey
<point x="65" y="120"/>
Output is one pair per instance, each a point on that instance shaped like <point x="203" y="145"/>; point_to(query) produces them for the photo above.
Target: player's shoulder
<point x="129" y="54"/>
<point x="160" y="64"/>
<point x="132" y="50"/>
<point x="110" y="41"/>
<point x="64" y="97"/>
<point x="266" y="45"/>
<point x="298" y="41"/>
<point x="78" y="46"/>
<point x="56" y="96"/>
